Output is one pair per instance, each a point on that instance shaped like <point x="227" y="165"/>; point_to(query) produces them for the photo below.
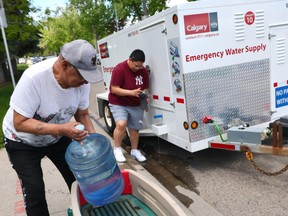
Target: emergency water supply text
<point x="226" y="52"/>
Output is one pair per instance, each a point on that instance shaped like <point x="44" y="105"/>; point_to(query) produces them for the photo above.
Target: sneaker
<point x="119" y="155"/>
<point x="137" y="155"/>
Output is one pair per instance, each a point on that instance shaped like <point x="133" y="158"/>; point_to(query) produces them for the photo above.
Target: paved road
<point x="225" y="179"/>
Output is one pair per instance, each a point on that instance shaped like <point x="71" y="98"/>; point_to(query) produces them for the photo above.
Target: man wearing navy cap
<point x="38" y="122"/>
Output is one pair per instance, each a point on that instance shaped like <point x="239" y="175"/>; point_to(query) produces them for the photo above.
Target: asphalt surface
<point x="225" y="179"/>
<point x="57" y="194"/>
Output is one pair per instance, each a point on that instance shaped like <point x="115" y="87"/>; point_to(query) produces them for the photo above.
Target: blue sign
<point x="281" y="96"/>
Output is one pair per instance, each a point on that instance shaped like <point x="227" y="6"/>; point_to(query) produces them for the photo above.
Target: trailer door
<point x="154" y="41"/>
<point x="279" y="70"/>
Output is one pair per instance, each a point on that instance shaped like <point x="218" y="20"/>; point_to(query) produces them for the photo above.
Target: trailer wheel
<point x="108" y="117"/>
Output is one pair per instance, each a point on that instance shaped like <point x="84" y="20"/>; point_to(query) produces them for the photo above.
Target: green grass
<point x="5" y="94"/>
<point x="21" y="67"/>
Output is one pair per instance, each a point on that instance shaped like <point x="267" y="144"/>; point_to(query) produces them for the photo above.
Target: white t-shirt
<point x="38" y="95"/>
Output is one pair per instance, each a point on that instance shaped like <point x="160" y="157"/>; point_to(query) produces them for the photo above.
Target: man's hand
<point x="68" y="129"/>
<point x="136" y="92"/>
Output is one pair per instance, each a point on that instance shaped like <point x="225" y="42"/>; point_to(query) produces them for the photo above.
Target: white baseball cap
<point x="82" y="55"/>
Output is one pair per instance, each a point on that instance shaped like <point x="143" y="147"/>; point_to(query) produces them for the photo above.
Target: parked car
<point x="47" y="57"/>
<point x="21" y="60"/>
<point x="35" y="59"/>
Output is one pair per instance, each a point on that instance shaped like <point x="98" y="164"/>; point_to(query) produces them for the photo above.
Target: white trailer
<point x="222" y="59"/>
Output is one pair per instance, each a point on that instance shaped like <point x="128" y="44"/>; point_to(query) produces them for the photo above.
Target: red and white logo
<point x="104" y="52"/>
<point x="249" y="18"/>
<point x="195" y="24"/>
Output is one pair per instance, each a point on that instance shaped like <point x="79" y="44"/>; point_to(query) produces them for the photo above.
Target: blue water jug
<point x="95" y="169"/>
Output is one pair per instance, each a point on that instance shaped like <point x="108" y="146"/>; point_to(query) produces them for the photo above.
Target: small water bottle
<point x="95" y="169"/>
<point x="158" y="119"/>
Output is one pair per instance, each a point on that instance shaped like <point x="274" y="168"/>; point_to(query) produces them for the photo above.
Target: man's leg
<point x="134" y="138"/>
<point x="119" y="132"/>
<point x="135" y="123"/>
<point x="118" y="135"/>
<point x="56" y="153"/>
<point x="26" y="161"/>
<point x="120" y="116"/>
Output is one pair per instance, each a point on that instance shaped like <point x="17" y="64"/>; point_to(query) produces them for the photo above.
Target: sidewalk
<point x="57" y="194"/>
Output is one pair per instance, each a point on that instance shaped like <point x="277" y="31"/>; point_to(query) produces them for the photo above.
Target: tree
<point x="92" y="20"/>
<point x="139" y="9"/>
<point x="96" y="17"/>
<point x="21" y="32"/>
<point x="56" y="31"/>
<point x="103" y="17"/>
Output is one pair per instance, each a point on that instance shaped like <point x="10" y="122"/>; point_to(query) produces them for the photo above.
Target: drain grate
<point x="126" y="205"/>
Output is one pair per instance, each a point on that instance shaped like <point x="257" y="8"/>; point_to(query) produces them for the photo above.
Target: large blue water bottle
<point x="95" y="169"/>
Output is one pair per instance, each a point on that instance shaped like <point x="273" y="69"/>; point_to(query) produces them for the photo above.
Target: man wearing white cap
<point x="37" y="124"/>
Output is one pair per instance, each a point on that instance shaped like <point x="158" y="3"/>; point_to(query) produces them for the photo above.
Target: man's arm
<point x="33" y="126"/>
<point x="125" y="92"/>
<point x="83" y="117"/>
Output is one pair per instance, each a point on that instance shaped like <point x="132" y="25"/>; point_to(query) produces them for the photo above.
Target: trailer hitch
<point x="249" y="157"/>
<point x="277" y="135"/>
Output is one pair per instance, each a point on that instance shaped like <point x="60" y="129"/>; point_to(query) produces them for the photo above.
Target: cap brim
<point x="91" y="76"/>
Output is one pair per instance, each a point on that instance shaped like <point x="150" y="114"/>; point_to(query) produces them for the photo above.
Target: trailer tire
<point x="108" y="118"/>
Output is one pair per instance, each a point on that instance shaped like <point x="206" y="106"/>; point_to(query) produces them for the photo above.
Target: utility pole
<point x="145" y="9"/>
<point x="3" y="24"/>
<point x="116" y="17"/>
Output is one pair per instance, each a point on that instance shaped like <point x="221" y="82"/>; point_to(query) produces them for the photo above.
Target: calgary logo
<point x="200" y="23"/>
<point x="196" y="28"/>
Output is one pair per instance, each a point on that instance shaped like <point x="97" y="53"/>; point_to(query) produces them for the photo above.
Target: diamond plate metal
<point x="232" y="94"/>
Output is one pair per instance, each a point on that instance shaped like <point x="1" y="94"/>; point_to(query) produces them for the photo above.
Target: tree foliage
<point x="21" y="33"/>
<point x="56" y="31"/>
<point x="139" y="9"/>
<point x="97" y="16"/>
<point x="103" y="17"/>
<point x="86" y="19"/>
